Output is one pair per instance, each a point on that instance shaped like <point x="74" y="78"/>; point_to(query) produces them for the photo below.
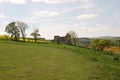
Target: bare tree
<point x="71" y="38"/>
<point x="35" y="34"/>
<point x="22" y="27"/>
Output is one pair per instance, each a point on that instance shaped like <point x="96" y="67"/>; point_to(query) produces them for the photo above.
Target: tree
<point x="57" y="39"/>
<point x="35" y="34"/>
<point x="68" y="39"/>
<point x="100" y="44"/>
<point x="22" y="27"/>
<point x="71" y="38"/>
<point x="13" y="30"/>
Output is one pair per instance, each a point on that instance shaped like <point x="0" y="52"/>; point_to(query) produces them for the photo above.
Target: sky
<point x="88" y="18"/>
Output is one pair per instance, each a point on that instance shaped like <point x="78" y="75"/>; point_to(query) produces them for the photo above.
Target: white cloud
<point x="82" y="31"/>
<point x="44" y="13"/>
<point x="54" y="13"/>
<point x="116" y="16"/>
<point x="53" y="1"/>
<point x="1" y="0"/>
<point x="2" y="15"/>
<point x="14" y="1"/>
<point x="95" y="31"/>
<point x="87" y="6"/>
<point x="17" y="1"/>
<point x="34" y="17"/>
<point x="100" y="10"/>
<point x="98" y="24"/>
<point x="86" y="16"/>
<point x="41" y="13"/>
<point x="86" y="1"/>
<point x="5" y="22"/>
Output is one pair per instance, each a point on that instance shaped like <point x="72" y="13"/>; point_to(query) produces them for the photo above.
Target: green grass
<point x="30" y="61"/>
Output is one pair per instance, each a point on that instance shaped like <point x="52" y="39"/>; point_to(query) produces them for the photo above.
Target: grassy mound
<point x="30" y="61"/>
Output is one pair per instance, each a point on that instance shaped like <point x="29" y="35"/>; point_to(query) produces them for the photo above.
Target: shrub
<point x="100" y="44"/>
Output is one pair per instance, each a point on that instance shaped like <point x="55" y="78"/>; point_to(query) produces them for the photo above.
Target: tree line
<point x="15" y="29"/>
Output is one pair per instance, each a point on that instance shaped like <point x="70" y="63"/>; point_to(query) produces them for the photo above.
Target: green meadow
<point x="41" y="61"/>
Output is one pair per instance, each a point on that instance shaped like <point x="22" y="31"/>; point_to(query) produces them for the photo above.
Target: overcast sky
<point x="88" y="18"/>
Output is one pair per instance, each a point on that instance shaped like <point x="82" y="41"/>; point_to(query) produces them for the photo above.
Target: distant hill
<point x="108" y="37"/>
<point x="87" y="41"/>
<point x="105" y="37"/>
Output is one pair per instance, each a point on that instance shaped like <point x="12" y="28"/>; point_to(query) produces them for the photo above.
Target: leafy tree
<point x="68" y="39"/>
<point x="13" y="30"/>
<point x="22" y="27"/>
<point x="100" y="44"/>
<point x="35" y="34"/>
<point x="57" y="39"/>
<point x="71" y="38"/>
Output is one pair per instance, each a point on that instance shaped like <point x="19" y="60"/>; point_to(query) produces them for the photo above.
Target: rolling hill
<point x="30" y="61"/>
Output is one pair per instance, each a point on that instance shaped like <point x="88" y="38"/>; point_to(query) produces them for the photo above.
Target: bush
<point x="100" y="44"/>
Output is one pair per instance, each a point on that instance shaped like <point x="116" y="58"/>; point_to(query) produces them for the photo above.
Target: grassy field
<point x="30" y="61"/>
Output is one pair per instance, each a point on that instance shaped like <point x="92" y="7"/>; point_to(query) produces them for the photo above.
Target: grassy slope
<point x="28" y="61"/>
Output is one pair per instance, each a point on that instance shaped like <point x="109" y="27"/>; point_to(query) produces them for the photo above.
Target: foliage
<point x="57" y="39"/>
<point x="13" y="30"/>
<point x="100" y="44"/>
<point x="35" y="34"/>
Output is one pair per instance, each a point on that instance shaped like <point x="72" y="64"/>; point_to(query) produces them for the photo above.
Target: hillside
<point x="30" y="61"/>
